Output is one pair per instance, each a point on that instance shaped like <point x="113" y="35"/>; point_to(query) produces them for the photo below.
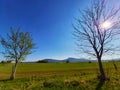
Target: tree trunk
<point x="12" y="77"/>
<point x="102" y="73"/>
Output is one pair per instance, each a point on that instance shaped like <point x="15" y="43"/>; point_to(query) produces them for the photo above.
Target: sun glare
<point x="106" y="25"/>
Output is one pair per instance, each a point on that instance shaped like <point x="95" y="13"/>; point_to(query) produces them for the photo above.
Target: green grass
<point x="58" y="76"/>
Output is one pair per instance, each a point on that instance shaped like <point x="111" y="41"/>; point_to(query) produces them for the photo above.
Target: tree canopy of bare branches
<point x="96" y="30"/>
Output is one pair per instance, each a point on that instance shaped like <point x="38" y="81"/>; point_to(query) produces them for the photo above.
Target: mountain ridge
<point x="71" y="59"/>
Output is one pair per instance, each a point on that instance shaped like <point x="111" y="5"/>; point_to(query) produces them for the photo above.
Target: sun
<point x="106" y="25"/>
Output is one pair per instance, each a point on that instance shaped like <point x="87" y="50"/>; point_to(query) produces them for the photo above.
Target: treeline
<point x="42" y="61"/>
<point x="8" y="61"/>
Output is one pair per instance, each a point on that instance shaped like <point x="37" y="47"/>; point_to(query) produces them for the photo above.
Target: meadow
<point x="59" y="76"/>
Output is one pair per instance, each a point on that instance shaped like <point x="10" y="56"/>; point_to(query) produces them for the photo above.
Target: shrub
<point x="42" y="61"/>
<point x="89" y="62"/>
<point x="3" y="62"/>
<point x="9" y="61"/>
<point x="67" y="61"/>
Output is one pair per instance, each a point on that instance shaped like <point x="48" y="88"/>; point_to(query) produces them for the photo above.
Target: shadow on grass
<point x="3" y="80"/>
<point x="100" y="84"/>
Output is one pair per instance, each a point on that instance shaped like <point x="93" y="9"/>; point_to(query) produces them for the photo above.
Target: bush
<point x="89" y="62"/>
<point x="67" y="61"/>
<point x="3" y="62"/>
<point x="9" y="61"/>
<point x="42" y="61"/>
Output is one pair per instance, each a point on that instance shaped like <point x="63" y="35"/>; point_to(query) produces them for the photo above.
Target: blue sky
<point x="49" y="22"/>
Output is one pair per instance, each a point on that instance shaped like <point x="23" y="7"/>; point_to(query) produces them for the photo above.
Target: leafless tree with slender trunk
<point x="96" y="31"/>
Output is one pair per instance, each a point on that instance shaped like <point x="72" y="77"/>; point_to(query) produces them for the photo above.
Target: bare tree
<point x="17" y="46"/>
<point x="96" y="30"/>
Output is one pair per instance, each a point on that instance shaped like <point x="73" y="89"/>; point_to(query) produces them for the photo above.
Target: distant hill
<point x="76" y="60"/>
<point x="53" y="60"/>
<point x="65" y="60"/>
<point x="70" y="59"/>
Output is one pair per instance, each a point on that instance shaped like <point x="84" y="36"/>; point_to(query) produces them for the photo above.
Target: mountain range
<point x="66" y="60"/>
<point x="74" y="60"/>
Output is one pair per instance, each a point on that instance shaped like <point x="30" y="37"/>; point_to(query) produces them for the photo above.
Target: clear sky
<point x="49" y="22"/>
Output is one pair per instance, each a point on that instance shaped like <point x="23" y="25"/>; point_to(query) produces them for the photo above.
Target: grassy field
<point x="59" y="76"/>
